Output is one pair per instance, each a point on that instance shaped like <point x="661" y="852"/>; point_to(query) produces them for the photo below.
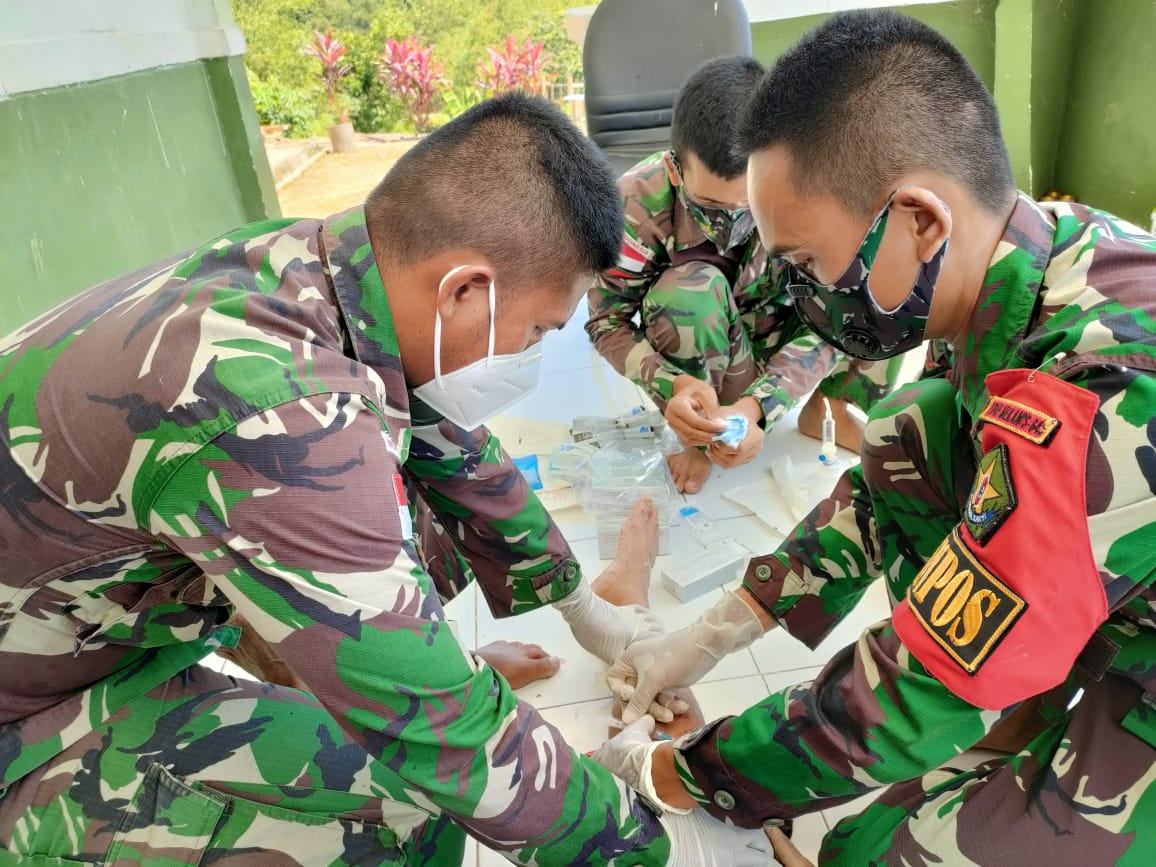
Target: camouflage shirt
<point x="231" y="430"/>
<point x="1069" y="290"/>
<point x="660" y="234"/>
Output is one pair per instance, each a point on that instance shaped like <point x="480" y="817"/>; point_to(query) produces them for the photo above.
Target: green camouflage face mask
<point x="846" y="314"/>
<point x="726" y="227"/>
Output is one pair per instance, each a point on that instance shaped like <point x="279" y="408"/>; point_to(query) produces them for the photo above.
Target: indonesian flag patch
<point x="633" y="257"/>
<point x="402" y="507"/>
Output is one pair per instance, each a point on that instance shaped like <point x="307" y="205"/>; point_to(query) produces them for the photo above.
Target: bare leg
<point x="690" y="469"/>
<point x="626" y="581"/>
<point x="848" y="428"/>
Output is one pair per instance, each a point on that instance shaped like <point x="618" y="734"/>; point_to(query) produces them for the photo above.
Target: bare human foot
<point x="848" y="427"/>
<point x="626" y="581"/>
<point x="519" y="663"/>
<point x="690" y="470"/>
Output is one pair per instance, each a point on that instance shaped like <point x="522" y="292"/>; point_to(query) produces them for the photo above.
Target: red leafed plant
<point x="409" y="69"/>
<point x="515" y="67"/>
<point x="330" y="51"/>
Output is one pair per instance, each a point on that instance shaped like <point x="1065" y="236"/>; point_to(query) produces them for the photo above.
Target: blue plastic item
<point x="528" y="466"/>
<point x="736" y="430"/>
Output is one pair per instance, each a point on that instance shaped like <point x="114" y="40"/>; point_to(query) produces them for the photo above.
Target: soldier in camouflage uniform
<point x="714" y="326"/>
<point x="238" y="430"/>
<point x="1010" y="507"/>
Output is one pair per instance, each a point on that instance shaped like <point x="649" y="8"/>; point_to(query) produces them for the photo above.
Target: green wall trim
<point x="1013" y="84"/>
<point x="102" y="178"/>
<point x="242" y="134"/>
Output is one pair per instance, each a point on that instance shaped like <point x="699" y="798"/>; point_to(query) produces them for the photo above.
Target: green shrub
<point x="277" y="103"/>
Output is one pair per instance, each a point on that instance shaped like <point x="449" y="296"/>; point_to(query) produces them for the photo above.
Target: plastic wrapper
<point x="640" y="426"/>
<point x="608" y="482"/>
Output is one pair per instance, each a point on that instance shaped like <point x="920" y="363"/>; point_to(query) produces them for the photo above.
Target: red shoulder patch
<point x="1000" y="617"/>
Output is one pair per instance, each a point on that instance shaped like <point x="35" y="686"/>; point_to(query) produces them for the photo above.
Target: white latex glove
<point x="629" y="754"/>
<point x="697" y="839"/>
<point x="606" y="630"/>
<point x="682" y="658"/>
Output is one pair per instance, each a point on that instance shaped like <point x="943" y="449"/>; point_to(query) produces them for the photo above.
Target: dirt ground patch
<point x="339" y="181"/>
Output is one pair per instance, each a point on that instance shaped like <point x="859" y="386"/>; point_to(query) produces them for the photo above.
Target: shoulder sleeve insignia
<point x="1020" y="419"/>
<point x="992" y="497"/>
<point x="962" y="605"/>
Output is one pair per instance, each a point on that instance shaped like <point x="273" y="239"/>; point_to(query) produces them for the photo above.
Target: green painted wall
<point x="1107" y="152"/>
<point x="102" y="178"/>
<point x="969" y="24"/>
<point x="1056" y="25"/>
<point x="1033" y="62"/>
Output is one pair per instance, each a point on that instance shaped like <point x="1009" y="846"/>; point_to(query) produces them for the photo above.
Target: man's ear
<point x="931" y="219"/>
<point x="674" y="175"/>
<point x="463" y="287"/>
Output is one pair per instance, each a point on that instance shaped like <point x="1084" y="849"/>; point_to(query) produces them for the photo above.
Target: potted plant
<point x="330" y="51"/>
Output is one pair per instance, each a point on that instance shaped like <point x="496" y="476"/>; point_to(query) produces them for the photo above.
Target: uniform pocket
<point x="285" y="836"/>
<point x="168" y="822"/>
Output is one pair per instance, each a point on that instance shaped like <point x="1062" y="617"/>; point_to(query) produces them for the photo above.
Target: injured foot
<point x="626" y="581"/>
<point x="519" y="663"/>
<point x="848" y="427"/>
<point x="690" y="470"/>
<point x="688" y="715"/>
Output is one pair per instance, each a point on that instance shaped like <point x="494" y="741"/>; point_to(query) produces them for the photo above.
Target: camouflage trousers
<point x="206" y="769"/>
<point x="690" y="316"/>
<point x="1081" y="791"/>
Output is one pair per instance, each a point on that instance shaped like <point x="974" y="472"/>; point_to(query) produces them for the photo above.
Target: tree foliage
<point x="459" y="32"/>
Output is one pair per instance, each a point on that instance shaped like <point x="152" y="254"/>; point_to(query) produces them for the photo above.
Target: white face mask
<point x="479" y="391"/>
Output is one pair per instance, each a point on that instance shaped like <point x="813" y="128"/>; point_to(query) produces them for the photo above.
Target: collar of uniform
<point x="349" y="263"/>
<point x="1007" y="301"/>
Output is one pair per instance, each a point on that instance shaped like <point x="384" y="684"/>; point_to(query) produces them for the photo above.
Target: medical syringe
<point x="829" y="453"/>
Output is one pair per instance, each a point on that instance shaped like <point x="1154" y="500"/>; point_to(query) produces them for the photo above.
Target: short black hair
<point x="707" y="112"/>
<point x="512" y="178"/>
<point x="869" y="96"/>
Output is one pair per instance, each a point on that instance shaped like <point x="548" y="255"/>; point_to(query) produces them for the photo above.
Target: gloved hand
<point x="651" y="665"/>
<point x="697" y="839"/>
<point x="604" y="629"/>
<point x="628" y="755"/>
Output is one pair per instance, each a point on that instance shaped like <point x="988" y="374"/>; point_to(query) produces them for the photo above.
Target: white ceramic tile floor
<point x="576" y="381"/>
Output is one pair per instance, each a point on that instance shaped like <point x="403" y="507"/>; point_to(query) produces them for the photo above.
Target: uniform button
<point x="774" y="823"/>
<point x="724" y="799"/>
<point x="571" y="571"/>
<point x="762" y="572"/>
